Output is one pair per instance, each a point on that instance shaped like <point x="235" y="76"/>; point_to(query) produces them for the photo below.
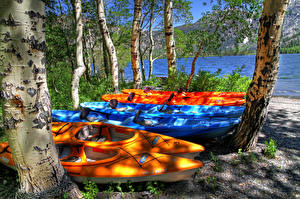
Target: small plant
<point x="240" y="154"/>
<point x="110" y="190"/>
<point x="210" y="183"/>
<point x="91" y="189"/>
<point x="154" y="187"/>
<point x="130" y="187"/>
<point x="118" y="187"/>
<point x="216" y="162"/>
<point x="271" y="148"/>
<point x="253" y="157"/>
<point x="235" y="162"/>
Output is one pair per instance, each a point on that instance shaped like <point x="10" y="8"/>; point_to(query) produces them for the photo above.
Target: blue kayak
<point x="207" y="127"/>
<point x="124" y="110"/>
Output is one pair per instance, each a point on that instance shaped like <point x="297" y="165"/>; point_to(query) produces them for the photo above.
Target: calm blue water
<point x="288" y="82"/>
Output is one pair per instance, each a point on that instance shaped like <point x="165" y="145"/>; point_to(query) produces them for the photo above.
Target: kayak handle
<point x="136" y="116"/>
<point x="85" y="112"/>
<point x="131" y="96"/>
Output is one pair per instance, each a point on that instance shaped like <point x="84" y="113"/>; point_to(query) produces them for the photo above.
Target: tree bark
<point x="141" y="57"/>
<point x="105" y="59"/>
<point x="187" y="85"/>
<point x="169" y="35"/>
<point x="87" y="42"/>
<point x="79" y="71"/>
<point x="135" y="56"/>
<point x="151" y="48"/>
<point x="26" y="102"/>
<point x="265" y="75"/>
<point x="109" y="45"/>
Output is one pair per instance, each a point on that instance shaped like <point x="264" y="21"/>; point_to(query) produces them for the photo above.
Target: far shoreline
<point x="286" y="96"/>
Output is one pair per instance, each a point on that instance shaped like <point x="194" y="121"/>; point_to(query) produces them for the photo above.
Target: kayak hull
<point x="103" y="166"/>
<point x="125" y="110"/>
<point x="167" y="177"/>
<point x="185" y="94"/>
<point x="206" y="127"/>
<point x="108" y="136"/>
<point x="157" y="99"/>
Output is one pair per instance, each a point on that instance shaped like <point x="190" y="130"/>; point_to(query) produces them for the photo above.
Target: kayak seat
<point x="87" y="132"/>
<point x="119" y="136"/>
<point x="64" y="151"/>
<point x="94" y="155"/>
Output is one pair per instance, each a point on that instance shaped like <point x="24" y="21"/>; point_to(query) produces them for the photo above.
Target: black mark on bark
<point x="43" y="61"/>
<point x="7" y="37"/>
<point x="11" y="123"/>
<point x="31" y="91"/>
<point x="30" y="62"/>
<point x="10" y="21"/>
<point x="39" y="124"/>
<point x="19" y="56"/>
<point x="34" y="44"/>
<point x="26" y="81"/>
<point x="20" y="88"/>
<point x="33" y="14"/>
<point x="265" y="69"/>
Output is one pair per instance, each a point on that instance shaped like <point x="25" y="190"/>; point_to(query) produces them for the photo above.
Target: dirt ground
<point x="245" y="175"/>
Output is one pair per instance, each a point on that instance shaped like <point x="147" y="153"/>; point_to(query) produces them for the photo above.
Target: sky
<point x="198" y="7"/>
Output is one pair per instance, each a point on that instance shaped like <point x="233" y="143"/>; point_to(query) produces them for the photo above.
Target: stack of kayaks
<point x="107" y="153"/>
<point x="106" y="141"/>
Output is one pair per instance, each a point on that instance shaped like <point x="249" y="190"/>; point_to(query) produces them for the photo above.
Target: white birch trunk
<point x="151" y="42"/>
<point x="135" y="57"/>
<point x="109" y="45"/>
<point x="169" y="35"/>
<point x="88" y="58"/>
<point x="26" y="102"/>
<point x="79" y="71"/>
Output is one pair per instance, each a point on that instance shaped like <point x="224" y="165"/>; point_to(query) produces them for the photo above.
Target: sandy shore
<point x="252" y="175"/>
<point x="248" y="175"/>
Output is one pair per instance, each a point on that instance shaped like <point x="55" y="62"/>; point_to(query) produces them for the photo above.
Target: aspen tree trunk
<point x="88" y="58"/>
<point x="265" y="75"/>
<point x="26" y="102"/>
<point x="105" y="59"/>
<point x="135" y="57"/>
<point x="169" y="35"/>
<point x="92" y="45"/>
<point x="141" y="57"/>
<point x="151" y="48"/>
<point x="67" y="43"/>
<point x="79" y="71"/>
<point x="187" y="85"/>
<point x="109" y="45"/>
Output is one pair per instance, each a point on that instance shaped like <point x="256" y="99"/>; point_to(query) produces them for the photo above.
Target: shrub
<point x="271" y="148"/>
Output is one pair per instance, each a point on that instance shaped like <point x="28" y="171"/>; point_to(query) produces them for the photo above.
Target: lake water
<point x="288" y="82"/>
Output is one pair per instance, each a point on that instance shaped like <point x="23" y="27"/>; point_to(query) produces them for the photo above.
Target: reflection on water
<point x="288" y="82"/>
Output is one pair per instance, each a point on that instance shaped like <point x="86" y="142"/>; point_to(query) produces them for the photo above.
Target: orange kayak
<point x="102" y="135"/>
<point x="177" y="100"/>
<point x="103" y="166"/>
<point x="149" y="92"/>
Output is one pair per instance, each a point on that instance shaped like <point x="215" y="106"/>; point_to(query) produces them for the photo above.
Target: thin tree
<point x="79" y="71"/>
<point x="26" y="102"/>
<point x="109" y="45"/>
<point x="265" y="75"/>
<point x="135" y="57"/>
<point x="169" y="36"/>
